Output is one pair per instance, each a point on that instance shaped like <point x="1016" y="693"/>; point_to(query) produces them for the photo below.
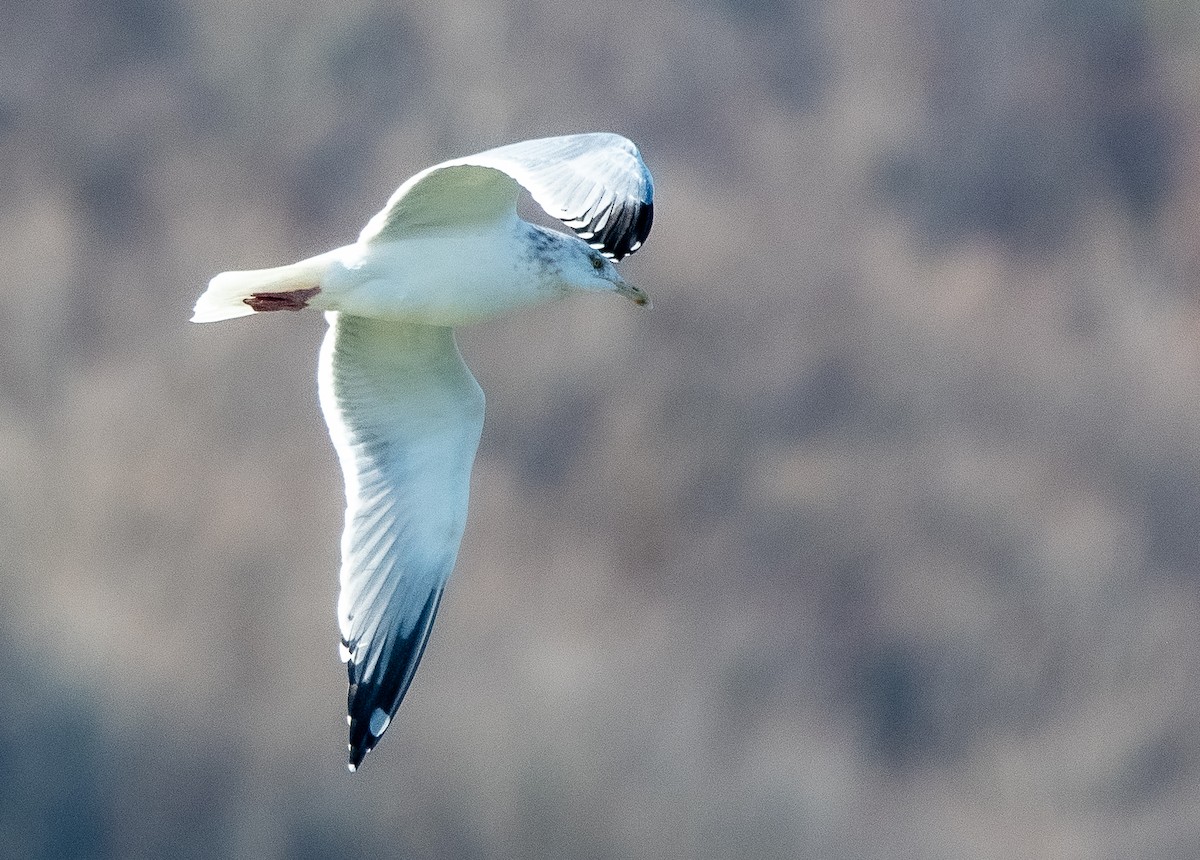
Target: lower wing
<point x="405" y="416"/>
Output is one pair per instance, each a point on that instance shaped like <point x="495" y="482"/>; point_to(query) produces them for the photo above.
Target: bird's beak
<point x="635" y="294"/>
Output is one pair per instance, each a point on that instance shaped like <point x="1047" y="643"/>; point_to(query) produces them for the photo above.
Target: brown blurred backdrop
<point x="878" y="537"/>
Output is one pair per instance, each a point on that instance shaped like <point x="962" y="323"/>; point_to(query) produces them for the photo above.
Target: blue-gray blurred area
<point x="879" y="536"/>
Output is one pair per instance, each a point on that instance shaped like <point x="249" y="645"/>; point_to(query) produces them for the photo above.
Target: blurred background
<point x="879" y="536"/>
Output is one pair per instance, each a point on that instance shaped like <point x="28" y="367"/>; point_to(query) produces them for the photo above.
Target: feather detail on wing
<point x="597" y="184"/>
<point x="405" y="416"/>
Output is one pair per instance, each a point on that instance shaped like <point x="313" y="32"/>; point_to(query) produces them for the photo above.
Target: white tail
<point x="234" y="294"/>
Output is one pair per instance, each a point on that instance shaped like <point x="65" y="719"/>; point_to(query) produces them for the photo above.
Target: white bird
<point x="404" y="412"/>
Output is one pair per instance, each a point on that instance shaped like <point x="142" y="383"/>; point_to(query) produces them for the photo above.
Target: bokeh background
<point x="879" y="536"/>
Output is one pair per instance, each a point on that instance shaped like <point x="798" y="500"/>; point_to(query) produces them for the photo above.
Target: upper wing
<point x="596" y="183"/>
<point x="405" y="416"/>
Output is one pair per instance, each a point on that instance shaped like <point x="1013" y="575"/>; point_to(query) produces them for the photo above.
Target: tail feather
<point x="233" y="294"/>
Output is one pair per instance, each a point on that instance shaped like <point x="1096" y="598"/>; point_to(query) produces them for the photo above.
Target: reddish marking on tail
<point x="293" y="300"/>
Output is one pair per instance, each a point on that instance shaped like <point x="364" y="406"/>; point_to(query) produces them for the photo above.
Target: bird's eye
<point x="597" y="263"/>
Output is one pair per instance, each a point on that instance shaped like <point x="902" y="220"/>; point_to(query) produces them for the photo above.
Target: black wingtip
<point x="362" y="741"/>
<point x="357" y="754"/>
<point x="378" y="684"/>
<point x="625" y="233"/>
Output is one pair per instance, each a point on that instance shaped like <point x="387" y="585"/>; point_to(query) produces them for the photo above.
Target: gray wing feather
<point x="597" y="184"/>
<point x="405" y="415"/>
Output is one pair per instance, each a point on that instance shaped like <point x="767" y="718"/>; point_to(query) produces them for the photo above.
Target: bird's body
<point x="449" y="279"/>
<point x="445" y="280"/>
<point x="404" y="412"/>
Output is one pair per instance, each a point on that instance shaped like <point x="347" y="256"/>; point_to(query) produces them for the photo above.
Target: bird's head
<point x="588" y="269"/>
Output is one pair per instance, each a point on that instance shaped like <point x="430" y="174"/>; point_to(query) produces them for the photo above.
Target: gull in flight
<point x="403" y="410"/>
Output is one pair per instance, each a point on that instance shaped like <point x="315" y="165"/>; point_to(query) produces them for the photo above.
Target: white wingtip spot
<point x="343" y="652"/>
<point x="350" y="767"/>
<point x="379" y="722"/>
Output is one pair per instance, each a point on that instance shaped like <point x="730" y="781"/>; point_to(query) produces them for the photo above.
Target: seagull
<point x="403" y="410"/>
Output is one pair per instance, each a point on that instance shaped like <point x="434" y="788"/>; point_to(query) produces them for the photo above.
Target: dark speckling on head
<point x="541" y="246"/>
